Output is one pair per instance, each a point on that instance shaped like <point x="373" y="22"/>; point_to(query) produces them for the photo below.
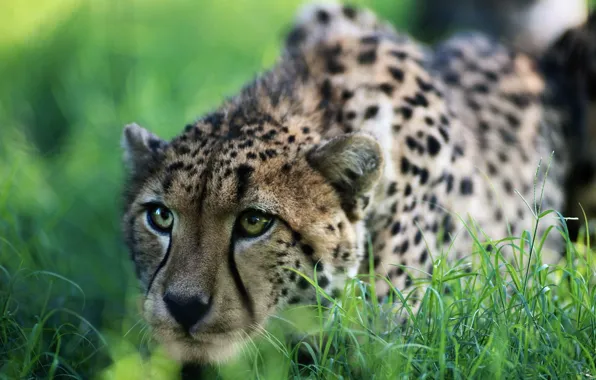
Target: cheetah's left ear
<point x="141" y="147"/>
<point x="353" y="163"/>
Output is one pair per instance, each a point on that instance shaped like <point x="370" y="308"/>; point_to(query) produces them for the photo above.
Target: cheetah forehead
<point x="232" y="162"/>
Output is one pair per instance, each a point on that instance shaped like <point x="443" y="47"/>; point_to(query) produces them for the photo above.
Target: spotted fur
<point x="356" y="133"/>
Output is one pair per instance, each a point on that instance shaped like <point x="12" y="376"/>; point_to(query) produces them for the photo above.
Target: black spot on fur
<point x="418" y="237"/>
<point x="513" y="120"/>
<point x="386" y="88"/>
<point x="323" y="16"/>
<point x="466" y="186"/>
<point x="492" y="169"/>
<point x="370" y="40"/>
<point x="404" y="247"/>
<point x="396" y="73"/>
<point x="335" y="67"/>
<point x="448" y="228"/>
<point x="423" y="257"/>
<point x="421" y="99"/>
<point x="414" y="145"/>
<point x="432" y="202"/>
<point x="215" y="119"/>
<point x="349" y="12"/>
<point x="345" y="95"/>
<point x="521" y="101"/>
<point x="507" y="136"/>
<point x="365" y="201"/>
<point x="303" y="283"/>
<point x="367" y="57"/>
<point x="155" y="144"/>
<point x="326" y="90"/>
<point x="392" y="189"/>
<point x="491" y="76"/>
<point x="296" y="37"/>
<point x="449" y="182"/>
<point x="508" y="186"/>
<point x="503" y="157"/>
<point x="423" y="175"/>
<point x="405" y="165"/>
<point x="433" y="145"/>
<point x="376" y="261"/>
<point x="244" y="173"/>
<point x="371" y="112"/>
<point x="178" y="165"/>
<point x="480" y="88"/>
<point x="323" y="281"/>
<point x="451" y="79"/>
<point x="406" y="112"/>
<point x="474" y="105"/>
<point x="395" y="228"/>
<point x="424" y="85"/>
<point x="307" y="249"/>
<point x="401" y="55"/>
<point x="408" y="190"/>
<point x="444" y="134"/>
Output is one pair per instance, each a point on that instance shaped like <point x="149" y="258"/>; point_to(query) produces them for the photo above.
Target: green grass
<point x="73" y="74"/>
<point x="478" y="331"/>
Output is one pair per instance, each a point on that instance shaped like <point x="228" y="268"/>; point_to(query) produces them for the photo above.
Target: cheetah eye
<point x="160" y="218"/>
<point x="253" y="223"/>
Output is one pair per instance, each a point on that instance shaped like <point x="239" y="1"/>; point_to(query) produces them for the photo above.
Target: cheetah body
<point x="358" y="134"/>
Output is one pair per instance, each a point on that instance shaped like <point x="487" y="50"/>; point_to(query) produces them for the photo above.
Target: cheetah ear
<point x="353" y="163"/>
<point x="141" y="147"/>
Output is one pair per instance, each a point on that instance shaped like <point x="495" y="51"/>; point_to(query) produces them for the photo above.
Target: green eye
<point x="253" y="223"/>
<point x="160" y="218"/>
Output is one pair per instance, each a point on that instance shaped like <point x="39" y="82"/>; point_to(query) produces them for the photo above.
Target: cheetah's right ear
<point x="352" y="163"/>
<point x="141" y="147"/>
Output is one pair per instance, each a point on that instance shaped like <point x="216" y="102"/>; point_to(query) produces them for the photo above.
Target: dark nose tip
<point x="187" y="311"/>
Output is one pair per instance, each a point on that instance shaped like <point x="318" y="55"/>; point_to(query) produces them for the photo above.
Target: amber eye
<point x="160" y="218"/>
<point x="253" y="223"/>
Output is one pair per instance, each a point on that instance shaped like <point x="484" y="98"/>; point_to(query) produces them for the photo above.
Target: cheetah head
<point x="217" y="227"/>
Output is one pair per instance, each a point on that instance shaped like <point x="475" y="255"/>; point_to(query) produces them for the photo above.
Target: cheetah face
<point x="218" y="236"/>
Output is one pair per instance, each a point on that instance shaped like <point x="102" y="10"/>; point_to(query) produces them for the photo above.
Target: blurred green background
<point x="72" y="74"/>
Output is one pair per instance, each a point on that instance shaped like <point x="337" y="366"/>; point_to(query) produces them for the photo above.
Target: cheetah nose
<point x="187" y="311"/>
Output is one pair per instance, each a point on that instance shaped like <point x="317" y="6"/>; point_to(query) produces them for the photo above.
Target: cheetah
<point x="358" y="135"/>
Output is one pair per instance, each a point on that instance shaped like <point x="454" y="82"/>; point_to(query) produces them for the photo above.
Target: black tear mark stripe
<point x="131" y="238"/>
<point x="132" y="243"/>
<point x="244" y="173"/>
<point x="161" y="265"/>
<point x="247" y="302"/>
